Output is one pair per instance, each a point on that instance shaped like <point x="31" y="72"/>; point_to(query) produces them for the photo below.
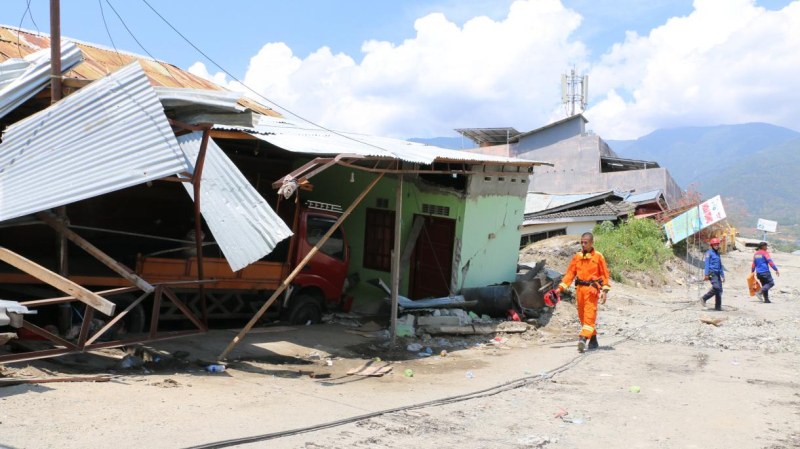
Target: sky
<point x="421" y="68"/>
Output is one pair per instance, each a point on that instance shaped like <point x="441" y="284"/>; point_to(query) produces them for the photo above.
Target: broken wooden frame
<point x="94" y="301"/>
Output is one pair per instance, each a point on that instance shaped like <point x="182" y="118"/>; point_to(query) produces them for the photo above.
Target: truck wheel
<point x="305" y="308"/>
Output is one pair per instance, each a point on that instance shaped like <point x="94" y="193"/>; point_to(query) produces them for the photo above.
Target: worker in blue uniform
<point x="714" y="272"/>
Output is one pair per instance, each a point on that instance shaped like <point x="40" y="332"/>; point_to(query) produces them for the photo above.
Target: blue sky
<point x="421" y="68"/>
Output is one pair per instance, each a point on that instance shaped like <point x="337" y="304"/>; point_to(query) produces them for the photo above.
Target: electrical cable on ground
<point x="491" y="391"/>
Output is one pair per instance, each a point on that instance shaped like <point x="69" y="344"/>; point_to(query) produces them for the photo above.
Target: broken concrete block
<point x="438" y="321"/>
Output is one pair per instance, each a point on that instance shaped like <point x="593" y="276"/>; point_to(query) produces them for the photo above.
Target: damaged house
<point x="108" y="197"/>
<point x="582" y="161"/>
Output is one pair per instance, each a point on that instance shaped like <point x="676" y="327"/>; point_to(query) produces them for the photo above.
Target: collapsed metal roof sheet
<point x="21" y="79"/>
<point x="243" y="224"/>
<point x="203" y="99"/>
<point x="107" y="136"/>
<point x="310" y="139"/>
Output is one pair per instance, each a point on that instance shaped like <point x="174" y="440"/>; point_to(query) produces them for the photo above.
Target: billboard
<point x="767" y="225"/>
<point x="695" y="219"/>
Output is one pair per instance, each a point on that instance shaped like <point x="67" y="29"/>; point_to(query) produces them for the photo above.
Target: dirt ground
<point x="661" y="379"/>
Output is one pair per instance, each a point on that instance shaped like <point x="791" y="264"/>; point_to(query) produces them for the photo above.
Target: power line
<point x="250" y="88"/>
<point x="103" y="15"/>
<point x="140" y="44"/>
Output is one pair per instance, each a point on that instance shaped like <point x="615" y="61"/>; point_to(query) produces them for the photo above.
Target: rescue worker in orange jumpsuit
<point x="589" y="270"/>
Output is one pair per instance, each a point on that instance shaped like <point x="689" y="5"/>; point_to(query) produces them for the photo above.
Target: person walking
<point x="714" y="272"/>
<point x="761" y="265"/>
<point x="589" y="270"/>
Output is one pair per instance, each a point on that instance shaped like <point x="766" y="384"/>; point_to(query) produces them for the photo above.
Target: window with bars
<point x="379" y="239"/>
<point x="433" y="209"/>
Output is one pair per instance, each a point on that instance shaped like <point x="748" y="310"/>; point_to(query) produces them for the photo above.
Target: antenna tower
<point x="574" y="92"/>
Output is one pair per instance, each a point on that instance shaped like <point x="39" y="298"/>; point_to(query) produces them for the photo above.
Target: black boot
<point x="593" y="344"/>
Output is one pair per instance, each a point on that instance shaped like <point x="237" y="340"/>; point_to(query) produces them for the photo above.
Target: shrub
<point x="634" y="245"/>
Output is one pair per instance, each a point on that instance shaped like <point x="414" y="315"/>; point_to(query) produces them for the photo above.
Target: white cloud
<point x="729" y="61"/>
<point x="482" y="74"/>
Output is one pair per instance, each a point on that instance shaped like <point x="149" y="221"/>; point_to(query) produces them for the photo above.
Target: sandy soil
<point x="662" y="379"/>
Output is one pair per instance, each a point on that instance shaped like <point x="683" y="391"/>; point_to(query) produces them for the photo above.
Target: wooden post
<point x="398" y="215"/>
<point x="298" y="268"/>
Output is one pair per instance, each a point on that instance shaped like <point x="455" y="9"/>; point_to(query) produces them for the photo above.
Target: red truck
<point x="317" y="287"/>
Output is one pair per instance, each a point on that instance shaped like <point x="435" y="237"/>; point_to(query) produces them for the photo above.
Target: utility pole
<point x="65" y="310"/>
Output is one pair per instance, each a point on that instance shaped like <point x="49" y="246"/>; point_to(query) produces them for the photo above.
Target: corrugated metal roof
<point x="107" y="136"/>
<point x="21" y="79"/>
<point x="536" y="202"/>
<point x="644" y="197"/>
<point x="100" y="61"/>
<point x="309" y="139"/>
<point x="243" y="224"/>
<point x="605" y="211"/>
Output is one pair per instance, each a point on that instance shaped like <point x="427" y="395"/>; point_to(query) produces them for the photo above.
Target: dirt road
<point x="662" y="379"/>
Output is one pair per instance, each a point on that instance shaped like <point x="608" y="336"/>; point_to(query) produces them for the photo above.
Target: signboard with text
<point x="695" y="219"/>
<point x="767" y="225"/>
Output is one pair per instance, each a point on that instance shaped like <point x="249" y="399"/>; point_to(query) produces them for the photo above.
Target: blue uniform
<point x="761" y="265"/>
<point x="715" y="272"/>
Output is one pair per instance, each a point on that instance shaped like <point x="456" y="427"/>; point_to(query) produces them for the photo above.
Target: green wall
<point x="486" y="211"/>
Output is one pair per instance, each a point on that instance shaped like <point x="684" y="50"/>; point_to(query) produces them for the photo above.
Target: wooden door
<point x="432" y="259"/>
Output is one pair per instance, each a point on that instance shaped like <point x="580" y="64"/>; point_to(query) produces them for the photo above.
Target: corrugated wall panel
<point x="243" y="224"/>
<point x="107" y="136"/>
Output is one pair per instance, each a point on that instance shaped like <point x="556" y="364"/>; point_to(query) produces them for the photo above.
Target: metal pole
<point x="198" y="228"/>
<point x="398" y="214"/>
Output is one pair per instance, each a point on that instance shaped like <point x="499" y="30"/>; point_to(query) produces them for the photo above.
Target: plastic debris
<point x="470" y="375"/>
<point x="414" y="347"/>
<point x="408" y="372"/>
<point x="635" y="389"/>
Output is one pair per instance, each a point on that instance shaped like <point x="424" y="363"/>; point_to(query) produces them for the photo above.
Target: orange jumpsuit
<point x="589" y="268"/>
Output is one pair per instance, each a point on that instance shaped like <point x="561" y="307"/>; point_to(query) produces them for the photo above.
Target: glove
<point x="551" y="298"/>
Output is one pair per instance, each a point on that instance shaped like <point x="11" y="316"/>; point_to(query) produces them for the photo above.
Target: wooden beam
<point x="65" y="285"/>
<point x="239" y="135"/>
<point x="286" y="282"/>
<point x="107" y="260"/>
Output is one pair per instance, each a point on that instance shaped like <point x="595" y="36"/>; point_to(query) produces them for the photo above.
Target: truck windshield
<point x="317" y="227"/>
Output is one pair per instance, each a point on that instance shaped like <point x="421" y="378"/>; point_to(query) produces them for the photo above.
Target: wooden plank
<point x="84" y="244"/>
<point x="9" y="381"/>
<point x="65" y="285"/>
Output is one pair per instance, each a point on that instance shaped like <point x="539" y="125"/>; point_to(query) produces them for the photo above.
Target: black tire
<point x="305" y="308"/>
<point x="133" y="322"/>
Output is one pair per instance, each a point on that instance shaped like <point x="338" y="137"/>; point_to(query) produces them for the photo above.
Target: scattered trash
<point x="314" y="356"/>
<point x="414" y="347"/>
<point x="513" y="315"/>
<point x="377" y="359"/>
<point x="130" y="361"/>
<point x="536" y="441"/>
<point x="635" y="389"/>
<point x="405" y="326"/>
<point x="408" y="372"/>
<point x="329" y="362"/>
<point x="470" y="375"/>
<point x="428" y="350"/>
<point x="443" y="353"/>
<point x="576" y="420"/>
<point x="561" y="413"/>
<point x="215" y="368"/>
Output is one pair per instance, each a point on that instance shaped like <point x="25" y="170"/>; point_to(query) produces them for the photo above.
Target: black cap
<point x="762" y="245"/>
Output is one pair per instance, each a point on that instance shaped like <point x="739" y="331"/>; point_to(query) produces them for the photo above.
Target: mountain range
<point x="754" y="166"/>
